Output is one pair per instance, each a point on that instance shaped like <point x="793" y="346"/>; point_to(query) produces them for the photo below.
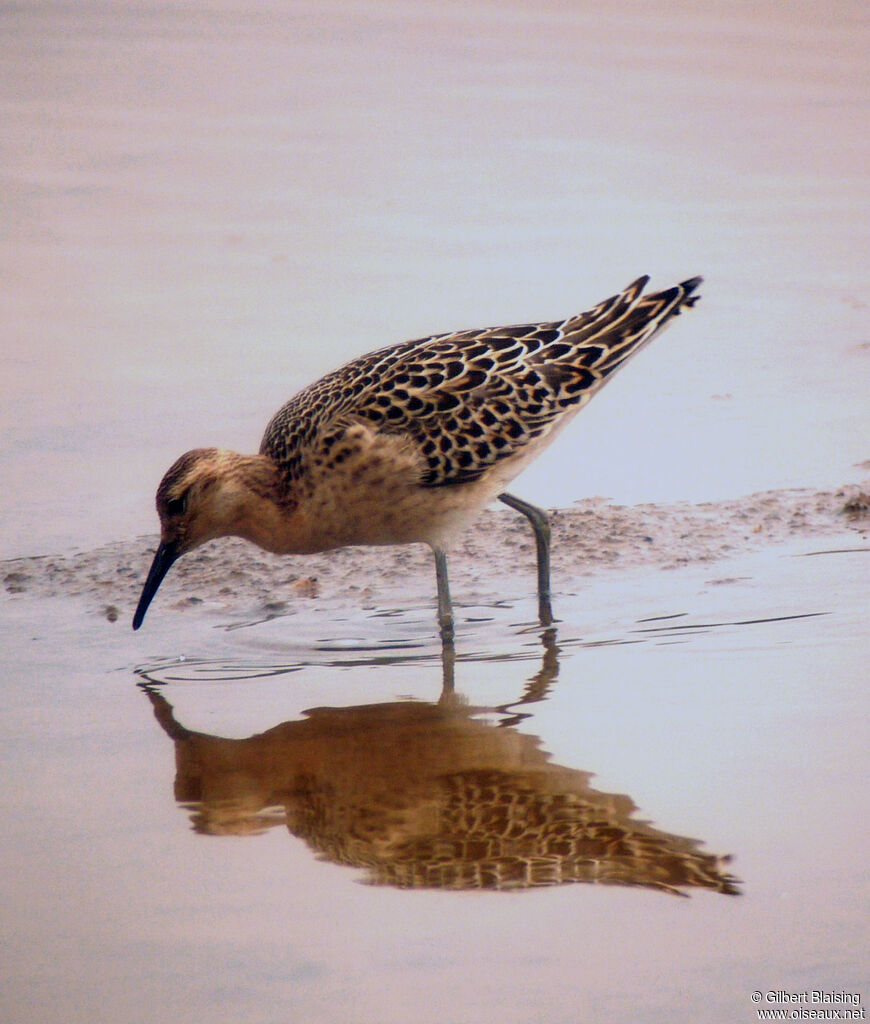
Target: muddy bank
<point x="494" y="558"/>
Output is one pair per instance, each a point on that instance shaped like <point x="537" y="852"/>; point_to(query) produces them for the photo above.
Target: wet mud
<point x="495" y="556"/>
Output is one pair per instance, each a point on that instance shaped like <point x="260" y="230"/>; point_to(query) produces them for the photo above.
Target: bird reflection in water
<point x="431" y="795"/>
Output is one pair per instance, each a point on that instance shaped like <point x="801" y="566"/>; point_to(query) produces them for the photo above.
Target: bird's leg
<point x="541" y="525"/>
<point x="445" y="607"/>
<point x="448" y="682"/>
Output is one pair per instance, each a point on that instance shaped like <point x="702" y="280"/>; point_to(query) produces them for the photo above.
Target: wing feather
<point x="471" y="398"/>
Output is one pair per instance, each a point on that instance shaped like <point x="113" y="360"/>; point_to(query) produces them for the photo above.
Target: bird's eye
<point x="177" y="506"/>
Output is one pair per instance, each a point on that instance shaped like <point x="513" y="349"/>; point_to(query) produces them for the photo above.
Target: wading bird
<point x="408" y="443"/>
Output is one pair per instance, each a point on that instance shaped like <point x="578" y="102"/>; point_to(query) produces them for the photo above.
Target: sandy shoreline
<point x="589" y="538"/>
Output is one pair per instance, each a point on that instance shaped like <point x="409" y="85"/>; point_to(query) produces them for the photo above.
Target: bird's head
<point x="202" y="496"/>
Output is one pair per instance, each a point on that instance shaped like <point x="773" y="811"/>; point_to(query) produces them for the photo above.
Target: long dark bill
<point x="164" y="557"/>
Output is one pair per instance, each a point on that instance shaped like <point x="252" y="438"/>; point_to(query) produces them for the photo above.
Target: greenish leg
<point x="541" y="525"/>
<point x="445" y="606"/>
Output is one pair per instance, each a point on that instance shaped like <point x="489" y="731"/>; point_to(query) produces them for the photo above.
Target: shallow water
<point x="189" y="812"/>
<point x="204" y="208"/>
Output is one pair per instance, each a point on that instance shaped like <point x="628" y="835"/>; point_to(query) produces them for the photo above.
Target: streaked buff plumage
<point x="407" y="443"/>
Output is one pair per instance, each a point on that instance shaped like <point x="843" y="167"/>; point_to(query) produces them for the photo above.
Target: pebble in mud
<point x="857" y="505"/>
<point x="16" y="582"/>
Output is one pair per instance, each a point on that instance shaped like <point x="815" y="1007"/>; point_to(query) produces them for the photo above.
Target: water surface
<point x="192" y="812"/>
<point x="204" y="207"/>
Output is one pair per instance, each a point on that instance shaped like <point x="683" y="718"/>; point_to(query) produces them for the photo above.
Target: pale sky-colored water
<point x="706" y="703"/>
<point x="206" y="207"/>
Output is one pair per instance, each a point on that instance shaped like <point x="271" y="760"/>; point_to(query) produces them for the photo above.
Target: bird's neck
<point x="258" y="507"/>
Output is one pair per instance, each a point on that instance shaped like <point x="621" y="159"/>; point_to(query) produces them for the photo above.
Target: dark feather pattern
<point x="469" y="399"/>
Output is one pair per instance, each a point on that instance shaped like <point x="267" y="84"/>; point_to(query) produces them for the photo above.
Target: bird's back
<point x="471" y="399"/>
